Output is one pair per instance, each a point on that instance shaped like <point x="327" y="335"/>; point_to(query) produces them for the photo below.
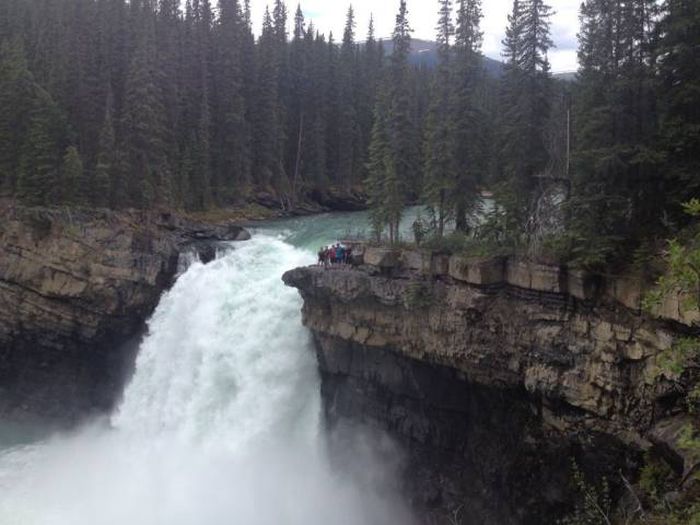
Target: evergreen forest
<point x="158" y="104"/>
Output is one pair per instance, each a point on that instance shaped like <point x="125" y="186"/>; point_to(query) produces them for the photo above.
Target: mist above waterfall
<point x="219" y="425"/>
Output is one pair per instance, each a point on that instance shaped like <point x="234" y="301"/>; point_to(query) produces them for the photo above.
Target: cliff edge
<point x="495" y="374"/>
<point x="75" y="290"/>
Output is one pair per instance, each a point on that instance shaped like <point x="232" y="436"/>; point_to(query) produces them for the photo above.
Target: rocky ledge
<point x="495" y="374"/>
<point x="75" y="290"/>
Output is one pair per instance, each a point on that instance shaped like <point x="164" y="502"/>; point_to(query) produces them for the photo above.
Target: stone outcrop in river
<point x="75" y="290"/>
<point x="494" y="374"/>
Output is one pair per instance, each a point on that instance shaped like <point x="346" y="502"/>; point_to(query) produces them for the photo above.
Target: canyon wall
<point x="494" y="375"/>
<point x="75" y="290"/>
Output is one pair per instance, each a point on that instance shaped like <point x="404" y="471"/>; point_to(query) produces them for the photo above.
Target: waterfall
<point x="220" y="423"/>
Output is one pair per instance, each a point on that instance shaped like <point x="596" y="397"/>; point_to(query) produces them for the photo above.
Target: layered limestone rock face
<point x="75" y="291"/>
<point x="493" y="373"/>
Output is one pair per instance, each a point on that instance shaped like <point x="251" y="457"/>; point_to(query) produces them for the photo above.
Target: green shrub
<point x="594" y="505"/>
<point x="654" y="477"/>
<point x="460" y="243"/>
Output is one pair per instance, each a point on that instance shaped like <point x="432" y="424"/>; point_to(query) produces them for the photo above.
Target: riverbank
<point x="265" y="208"/>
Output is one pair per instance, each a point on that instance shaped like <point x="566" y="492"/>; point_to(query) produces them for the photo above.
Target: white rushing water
<point x="219" y="425"/>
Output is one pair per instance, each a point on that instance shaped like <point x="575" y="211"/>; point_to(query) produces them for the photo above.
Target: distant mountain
<point x="569" y="76"/>
<point x="425" y="53"/>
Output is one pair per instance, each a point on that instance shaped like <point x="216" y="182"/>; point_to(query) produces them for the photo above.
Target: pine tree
<point x="232" y="130"/>
<point x="678" y="89"/>
<point x="471" y="133"/>
<point x="347" y="125"/>
<point x="394" y="202"/>
<point x="299" y="103"/>
<point x="104" y="190"/>
<point x="249" y="90"/>
<point x="281" y="58"/>
<point x="40" y="160"/>
<point x="170" y="83"/>
<point x="526" y="97"/>
<point x="143" y="120"/>
<point x="269" y="166"/>
<point x="439" y="185"/>
<point x="72" y="178"/>
<point x="379" y="152"/>
<point x="403" y="134"/>
<point x="613" y="183"/>
<point x="17" y="92"/>
<point x="200" y="180"/>
<point x="315" y="157"/>
<point x="196" y="144"/>
<point x="370" y="74"/>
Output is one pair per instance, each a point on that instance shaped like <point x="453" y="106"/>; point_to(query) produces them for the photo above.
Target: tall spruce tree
<point x="104" y="189"/>
<point x="613" y="163"/>
<point x="170" y="84"/>
<point x="348" y="135"/>
<point x="38" y="180"/>
<point x="144" y="117"/>
<point x="471" y="127"/>
<point x="383" y="185"/>
<point x="370" y="64"/>
<point x="299" y="110"/>
<point x="439" y="184"/>
<point x="316" y="152"/>
<point x="403" y="131"/>
<point x="72" y="178"/>
<point x="232" y="132"/>
<point x="678" y="92"/>
<point x="269" y="166"/>
<point x="525" y="107"/>
<point x="281" y="57"/>
<point x="17" y="93"/>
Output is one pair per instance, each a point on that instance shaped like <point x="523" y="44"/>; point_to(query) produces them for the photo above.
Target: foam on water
<point x="219" y="425"/>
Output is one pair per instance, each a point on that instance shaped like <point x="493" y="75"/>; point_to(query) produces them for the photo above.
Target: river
<point x="221" y="422"/>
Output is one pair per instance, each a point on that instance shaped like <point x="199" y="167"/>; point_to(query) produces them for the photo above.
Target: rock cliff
<point x="75" y="290"/>
<point x="494" y="374"/>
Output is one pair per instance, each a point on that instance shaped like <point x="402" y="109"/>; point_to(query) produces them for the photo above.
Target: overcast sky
<point x="329" y="15"/>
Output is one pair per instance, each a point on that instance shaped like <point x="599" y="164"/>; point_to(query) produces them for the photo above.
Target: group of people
<point x="335" y="254"/>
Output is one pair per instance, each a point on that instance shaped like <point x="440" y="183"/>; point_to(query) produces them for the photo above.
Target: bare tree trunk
<point x="461" y="224"/>
<point x="441" y="215"/>
<point x="297" y="165"/>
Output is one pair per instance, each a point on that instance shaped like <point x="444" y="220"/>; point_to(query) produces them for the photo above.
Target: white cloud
<point x="329" y="15"/>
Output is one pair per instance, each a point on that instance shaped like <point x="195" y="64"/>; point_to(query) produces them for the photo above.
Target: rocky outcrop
<point x="493" y="373"/>
<point x="75" y="290"/>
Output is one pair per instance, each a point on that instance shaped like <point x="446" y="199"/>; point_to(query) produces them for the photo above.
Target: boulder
<point x="581" y="285"/>
<point x="479" y="271"/>
<point x="546" y="278"/>
<point x="518" y="274"/>
<point x="440" y="265"/>
<point x="673" y="307"/>
<point x="534" y="276"/>
<point x="417" y="260"/>
<point x="627" y="291"/>
<point x="382" y="257"/>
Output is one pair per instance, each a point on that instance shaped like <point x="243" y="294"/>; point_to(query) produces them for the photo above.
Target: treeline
<point x="141" y="103"/>
<point x="144" y="103"/>
<point x="622" y="142"/>
<point x="637" y="125"/>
